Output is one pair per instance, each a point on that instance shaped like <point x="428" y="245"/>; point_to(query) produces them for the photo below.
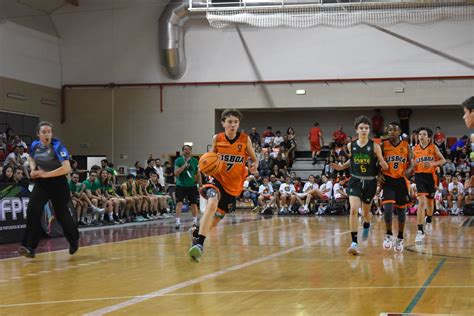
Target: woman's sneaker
<point x="419" y="237"/>
<point x="388" y="242"/>
<point x="398" y="245"/>
<point x="195" y="253"/>
<point x="26" y="252"/>
<point x="353" y="249"/>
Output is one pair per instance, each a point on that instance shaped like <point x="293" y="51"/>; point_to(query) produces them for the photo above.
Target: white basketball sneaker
<point x="398" y="245"/>
<point x="419" y="237"/>
<point x="353" y="249"/>
<point x="388" y="242"/>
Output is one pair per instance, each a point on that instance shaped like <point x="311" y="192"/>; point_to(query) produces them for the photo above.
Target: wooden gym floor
<point x="251" y="266"/>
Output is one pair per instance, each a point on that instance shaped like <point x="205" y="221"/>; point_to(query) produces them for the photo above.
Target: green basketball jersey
<point x="363" y="160"/>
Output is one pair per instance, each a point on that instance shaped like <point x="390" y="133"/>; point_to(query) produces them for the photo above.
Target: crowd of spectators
<point x="148" y="190"/>
<point x="278" y="188"/>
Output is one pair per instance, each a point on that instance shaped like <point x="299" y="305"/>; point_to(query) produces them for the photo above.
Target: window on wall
<point x="22" y="124"/>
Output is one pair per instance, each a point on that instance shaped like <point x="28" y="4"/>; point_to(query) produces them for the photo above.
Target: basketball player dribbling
<point x="233" y="148"/>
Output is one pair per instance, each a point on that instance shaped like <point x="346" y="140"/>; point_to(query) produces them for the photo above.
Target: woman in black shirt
<point x="49" y="162"/>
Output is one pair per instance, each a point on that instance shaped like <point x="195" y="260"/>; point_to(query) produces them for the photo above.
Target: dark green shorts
<point x="363" y="189"/>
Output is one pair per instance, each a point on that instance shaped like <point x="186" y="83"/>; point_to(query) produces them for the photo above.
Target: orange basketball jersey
<point x="422" y="155"/>
<point x="396" y="158"/>
<point x="234" y="155"/>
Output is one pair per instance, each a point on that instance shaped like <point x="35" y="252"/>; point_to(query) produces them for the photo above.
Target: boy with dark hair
<point x="364" y="154"/>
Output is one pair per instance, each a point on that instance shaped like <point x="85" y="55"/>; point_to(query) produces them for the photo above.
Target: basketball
<point x="209" y="163"/>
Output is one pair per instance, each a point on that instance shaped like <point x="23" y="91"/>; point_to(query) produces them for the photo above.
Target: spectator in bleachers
<point x="449" y="167"/>
<point x="107" y="191"/>
<point x="305" y="197"/>
<point x="7" y="174"/>
<point x="339" y="137"/>
<point x="3" y="150"/>
<point x="275" y="183"/>
<point x="326" y="186"/>
<point x="139" y="169"/>
<point x="459" y="144"/>
<point x="13" y="159"/>
<point x="150" y="201"/>
<point x="278" y="140"/>
<point x="25" y="164"/>
<point x="463" y="168"/>
<point x="18" y="177"/>
<point x="8" y="135"/>
<point x="75" y="169"/>
<point x="316" y="141"/>
<point x="266" y="194"/>
<point x="414" y="138"/>
<point x="455" y="193"/>
<point x="291" y="145"/>
<point x="129" y="191"/>
<point x="279" y="174"/>
<point x="267" y="138"/>
<point x="155" y="188"/>
<point x="258" y="152"/>
<point x="76" y="190"/>
<point x="440" y="140"/>
<point x="160" y="172"/>
<point x="265" y="166"/>
<point x="286" y="195"/>
<point x="170" y="180"/>
<point x="92" y="190"/>
<point x="104" y="163"/>
<point x="18" y="142"/>
<point x="339" y="191"/>
<point x="280" y="162"/>
<point x="150" y="167"/>
<point x="297" y="183"/>
<point x="328" y="169"/>
<point x="251" y="190"/>
<point x="255" y="137"/>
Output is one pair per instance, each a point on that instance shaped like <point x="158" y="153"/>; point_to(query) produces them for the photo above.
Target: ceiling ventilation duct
<point x="295" y="14"/>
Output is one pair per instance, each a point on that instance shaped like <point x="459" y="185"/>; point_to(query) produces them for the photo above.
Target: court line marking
<point x="161" y="292"/>
<point x="351" y="288"/>
<point x="229" y="224"/>
<point x="422" y="290"/>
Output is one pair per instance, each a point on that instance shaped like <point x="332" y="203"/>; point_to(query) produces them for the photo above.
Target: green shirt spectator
<point x="187" y="178"/>
<point x="93" y="187"/>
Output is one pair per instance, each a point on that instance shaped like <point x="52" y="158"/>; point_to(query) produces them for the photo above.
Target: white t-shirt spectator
<point x="287" y="188"/>
<point x="278" y="140"/>
<point x="24" y="158"/>
<point x="456" y="190"/>
<point x="337" y="187"/>
<point x="326" y="189"/>
<point x="268" y="140"/>
<point x="161" y="178"/>
<point x="308" y="186"/>
<point x="11" y="159"/>
<point x="265" y="189"/>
